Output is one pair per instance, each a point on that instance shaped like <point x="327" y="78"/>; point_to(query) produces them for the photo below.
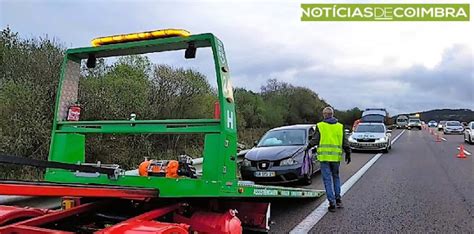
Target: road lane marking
<point x="465" y="151"/>
<point x="317" y="214"/>
<point x="444" y="139"/>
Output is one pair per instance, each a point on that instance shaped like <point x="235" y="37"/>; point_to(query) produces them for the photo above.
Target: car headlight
<point x="381" y="140"/>
<point x="246" y="163"/>
<point x="288" y="162"/>
<point x="351" y="139"/>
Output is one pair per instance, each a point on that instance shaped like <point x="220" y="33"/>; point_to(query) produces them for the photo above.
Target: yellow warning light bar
<point x="122" y="38"/>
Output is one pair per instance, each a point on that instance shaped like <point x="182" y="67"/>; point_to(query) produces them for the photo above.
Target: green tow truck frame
<point x="219" y="169"/>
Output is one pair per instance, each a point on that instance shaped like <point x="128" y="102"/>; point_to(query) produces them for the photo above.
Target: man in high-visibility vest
<point x="331" y="140"/>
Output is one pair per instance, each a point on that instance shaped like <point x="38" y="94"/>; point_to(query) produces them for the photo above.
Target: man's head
<point x="328" y="112"/>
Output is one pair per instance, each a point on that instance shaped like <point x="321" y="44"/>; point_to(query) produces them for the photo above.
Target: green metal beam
<point x="141" y="47"/>
<point x="140" y="126"/>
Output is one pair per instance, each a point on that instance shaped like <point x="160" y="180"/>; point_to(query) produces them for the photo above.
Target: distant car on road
<point x="469" y="133"/>
<point x="441" y="125"/>
<point x="414" y="123"/>
<point x="402" y="121"/>
<point x="371" y="136"/>
<point x="432" y="124"/>
<point x="279" y="156"/>
<point x="453" y="127"/>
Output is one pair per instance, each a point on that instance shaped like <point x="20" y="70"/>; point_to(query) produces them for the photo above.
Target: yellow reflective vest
<point x="330" y="143"/>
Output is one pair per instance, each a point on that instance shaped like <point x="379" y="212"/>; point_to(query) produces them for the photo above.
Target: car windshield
<point x="432" y="121"/>
<point x="370" y="128"/>
<point x="283" y="137"/>
<point x="414" y="120"/>
<point x="453" y="124"/>
<point x="373" y="118"/>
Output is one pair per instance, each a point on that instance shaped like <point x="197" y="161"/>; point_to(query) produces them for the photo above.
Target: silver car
<point x="371" y="136"/>
<point x="414" y="123"/>
<point x="453" y="127"/>
<point x="469" y="133"/>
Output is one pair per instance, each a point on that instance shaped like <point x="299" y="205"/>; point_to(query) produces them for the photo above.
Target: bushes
<point x="29" y="77"/>
<point x="134" y="85"/>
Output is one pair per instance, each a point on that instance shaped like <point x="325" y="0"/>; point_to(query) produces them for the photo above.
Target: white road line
<point x="444" y="139"/>
<point x="317" y="214"/>
<point x="466" y="152"/>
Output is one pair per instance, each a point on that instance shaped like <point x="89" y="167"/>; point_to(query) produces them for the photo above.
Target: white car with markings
<point x="371" y="136"/>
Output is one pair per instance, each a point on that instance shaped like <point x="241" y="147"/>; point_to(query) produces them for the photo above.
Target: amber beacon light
<point x="122" y="38"/>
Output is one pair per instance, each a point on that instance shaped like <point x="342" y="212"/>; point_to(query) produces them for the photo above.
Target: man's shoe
<point x="339" y="203"/>
<point x="332" y="207"/>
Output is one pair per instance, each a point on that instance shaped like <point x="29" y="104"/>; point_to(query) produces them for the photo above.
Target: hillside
<point x="463" y="115"/>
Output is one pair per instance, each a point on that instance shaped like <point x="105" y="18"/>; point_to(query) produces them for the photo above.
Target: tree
<point x="250" y="108"/>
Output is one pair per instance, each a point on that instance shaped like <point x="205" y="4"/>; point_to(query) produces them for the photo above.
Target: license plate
<point x="264" y="174"/>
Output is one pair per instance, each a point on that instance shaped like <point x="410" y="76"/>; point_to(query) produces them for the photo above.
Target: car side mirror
<point x="255" y="143"/>
<point x="347" y="130"/>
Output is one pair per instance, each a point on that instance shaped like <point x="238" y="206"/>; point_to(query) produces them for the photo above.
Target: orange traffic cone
<point x="438" y="138"/>
<point x="461" y="152"/>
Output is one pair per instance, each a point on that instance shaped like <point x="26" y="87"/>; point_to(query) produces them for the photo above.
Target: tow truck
<point x="104" y="198"/>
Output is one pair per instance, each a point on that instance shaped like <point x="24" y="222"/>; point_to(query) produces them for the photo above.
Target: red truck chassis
<point x="97" y="209"/>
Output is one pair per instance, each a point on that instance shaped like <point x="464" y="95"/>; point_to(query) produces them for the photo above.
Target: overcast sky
<point x="404" y="67"/>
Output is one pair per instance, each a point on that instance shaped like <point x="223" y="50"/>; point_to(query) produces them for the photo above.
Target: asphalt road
<point x="288" y="213"/>
<point x="420" y="186"/>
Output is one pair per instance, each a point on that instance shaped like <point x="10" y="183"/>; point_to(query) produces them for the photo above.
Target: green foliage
<point x="29" y="71"/>
<point x="349" y="116"/>
<point x="251" y="108"/>
<point x="134" y="85"/>
<point x="29" y="76"/>
<point x="180" y="93"/>
<point x="117" y="90"/>
<point x="278" y="104"/>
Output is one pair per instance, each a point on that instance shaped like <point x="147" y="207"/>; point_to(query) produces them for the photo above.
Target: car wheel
<point x="385" y="150"/>
<point x="470" y="140"/>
